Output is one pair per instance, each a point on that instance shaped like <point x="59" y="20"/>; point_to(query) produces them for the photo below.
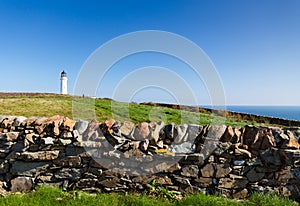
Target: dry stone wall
<point x="122" y="156"/>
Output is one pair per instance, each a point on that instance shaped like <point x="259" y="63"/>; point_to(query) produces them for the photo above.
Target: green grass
<point x="41" y="105"/>
<point x="47" y="196"/>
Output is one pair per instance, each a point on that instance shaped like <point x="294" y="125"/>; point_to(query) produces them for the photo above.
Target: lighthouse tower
<point x="63" y="83"/>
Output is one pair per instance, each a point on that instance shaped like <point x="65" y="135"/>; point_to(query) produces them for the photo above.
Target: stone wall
<point x="121" y="156"/>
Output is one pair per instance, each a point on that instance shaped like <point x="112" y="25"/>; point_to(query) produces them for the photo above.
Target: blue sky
<point x="254" y="45"/>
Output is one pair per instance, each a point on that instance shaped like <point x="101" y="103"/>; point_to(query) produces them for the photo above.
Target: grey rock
<point x="221" y="147"/>
<point x="126" y="128"/>
<point x="204" y="181"/>
<point x="102" y="163"/>
<point x="222" y="170"/>
<point x="28" y="168"/>
<point x="86" y="183"/>
<point x="240" y="194"/>
<point x="3" y="136"/>
<point x="269" y="168"/>
<point x="185" y="147"/>
<point x="229" y="183"/>
<point x="254" y="176"/>
<point x="173" y="168"/>
<point x="109" y="183"/>
<point x="141" y="131"/>
<point x="21" y="184"/>
<point x="19" y="120"/>
<point x="181" y="180"/>
<point x="93" y="131"/>
<point x="68" y="161"/>
<point x="81" y="126"/>
<point x="45" y="178"/>
<point x="271" y="157"/>
<point x="215" y="132"/>
<point x="18" y="147"/>
<point x="95" y="171"/>
<point x="68" y="173"/>
<point x="156" y="129"/>
<point x="4" y="167"/>
<point x="181" y="131"/>
<point x="296" y="173"/>
<point x="291" y="156"/>
<point x="190" y="171"/>
<point x="208" y="170"/>
<point x="193" y="131"/>
<point x="284" y="175"/>
<point x="74" y="151"/>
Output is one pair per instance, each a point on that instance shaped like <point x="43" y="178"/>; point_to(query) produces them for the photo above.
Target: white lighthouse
<point x="63" y="83"/>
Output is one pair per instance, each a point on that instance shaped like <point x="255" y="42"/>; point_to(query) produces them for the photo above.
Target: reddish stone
<point x="68" y="124"/>
<point x="141" y="131"/>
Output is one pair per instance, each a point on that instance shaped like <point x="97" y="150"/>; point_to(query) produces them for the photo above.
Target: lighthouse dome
<point x="63" y="74"/>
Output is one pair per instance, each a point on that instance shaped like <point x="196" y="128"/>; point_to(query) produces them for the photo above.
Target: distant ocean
<point x="286" y="112"/>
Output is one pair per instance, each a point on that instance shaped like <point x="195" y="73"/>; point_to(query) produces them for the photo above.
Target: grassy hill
<point x="39" y="105"/>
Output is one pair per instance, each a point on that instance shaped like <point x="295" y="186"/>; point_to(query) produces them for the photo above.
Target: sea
<point x="285" y="112"/>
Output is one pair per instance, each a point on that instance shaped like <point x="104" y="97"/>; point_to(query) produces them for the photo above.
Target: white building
<point x="63" y="83"/>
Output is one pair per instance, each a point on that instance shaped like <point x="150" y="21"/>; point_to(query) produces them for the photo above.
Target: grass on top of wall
<point x="47" y="196"/>
<point x="46" y="105"/>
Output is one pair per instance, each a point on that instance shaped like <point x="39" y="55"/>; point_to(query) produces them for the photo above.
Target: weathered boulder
<point x="21" y="184"/>
<point x="93" y="131"/>
<point x="126" y="128"/>
<point x="215" y="132"/>
<point x="141" y="131"/>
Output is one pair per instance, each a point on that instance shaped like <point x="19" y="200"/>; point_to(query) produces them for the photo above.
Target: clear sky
<point x="254" y="45"/>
